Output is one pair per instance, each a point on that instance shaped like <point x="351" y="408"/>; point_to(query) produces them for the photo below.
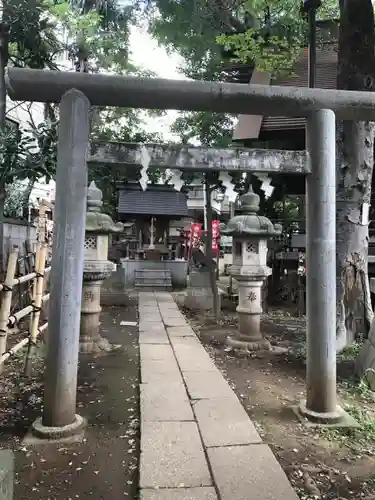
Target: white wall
<point x="24" y="112"/>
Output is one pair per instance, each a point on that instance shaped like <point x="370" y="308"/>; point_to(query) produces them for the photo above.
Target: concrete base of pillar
<point x="90" y="341"/>
<point x="249" y="345"/>
<point x="336" y="419"/>
<point x="68" y="433"/>
<point x="97" y="344"/>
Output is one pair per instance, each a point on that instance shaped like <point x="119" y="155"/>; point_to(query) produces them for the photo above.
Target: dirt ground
<point x="106" y="464"/>
<point x="325" y="464"/>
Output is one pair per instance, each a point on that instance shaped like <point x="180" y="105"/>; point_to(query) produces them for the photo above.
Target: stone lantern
<point x="96" y="269"/>
<point x="250" y="233"/>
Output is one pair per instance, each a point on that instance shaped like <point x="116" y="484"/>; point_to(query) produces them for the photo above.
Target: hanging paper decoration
<point x="176" y="179"/>
<point x="145" y="162"/>
<point x="266" y="184"/>
<point x="227" y="182"/>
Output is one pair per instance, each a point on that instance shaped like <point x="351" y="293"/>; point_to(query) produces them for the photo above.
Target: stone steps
<point x="153" y="279"/>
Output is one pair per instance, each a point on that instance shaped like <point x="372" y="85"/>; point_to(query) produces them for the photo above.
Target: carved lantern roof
<point x="96" y="221"/>
<point x="249" y="223"/>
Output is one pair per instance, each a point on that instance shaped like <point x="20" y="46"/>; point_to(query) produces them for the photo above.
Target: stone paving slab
<point x="180" y="331"/>
<point x="146" y="297"/>
<point x="249" y="473"/>
<point x="151" y="368"/>
<point x="224" y="422"/>
<point x="165" y="401"/>
<point x="171" y="313"/>
<point x="190" y="341"/>
<point x="153" y="338"/>
<point x="147" y="312"/>
<point x="164" y="298"/>
<point x="205" y="493"/>
<point x="151" y="327"/>
<point x="168" y="321"/>
<point x="168" y="306"/>
<point x="172" y="456"/>
<point x="151" y="318"/>
<point x="207" y="385"/>
<point x="192" y="357"/>
<point x="161" y="352"/>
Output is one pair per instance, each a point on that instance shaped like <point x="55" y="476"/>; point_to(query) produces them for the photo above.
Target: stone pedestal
<point x="199" y="296"/>
<point x="90" y="339"/>
<point x="249" y="309"/>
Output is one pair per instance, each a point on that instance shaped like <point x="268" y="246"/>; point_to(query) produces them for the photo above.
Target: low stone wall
<point x="199" y="296"/>
<point x="16" y="233"/>
<point x="113" y="292"/>
<point x="178" y="270"/>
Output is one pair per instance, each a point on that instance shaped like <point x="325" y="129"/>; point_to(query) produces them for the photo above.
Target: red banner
<point x="195" y="234"/>
<point x="215" y="235"/>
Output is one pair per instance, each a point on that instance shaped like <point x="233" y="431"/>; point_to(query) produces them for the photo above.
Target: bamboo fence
<point x="9" y="319"/>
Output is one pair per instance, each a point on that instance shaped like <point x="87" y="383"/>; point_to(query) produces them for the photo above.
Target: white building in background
<point x="43" y="191"/>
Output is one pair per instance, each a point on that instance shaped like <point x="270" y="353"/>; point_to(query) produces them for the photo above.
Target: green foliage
<point x="350" y="352"/>
<point x="358" y="439"/>
<point x="269" y="53"/>
<point x="208" y="129"/>
<point x="190" y="28"/>
<point x="276" y="43"/>
<point x="28" y="155"/>
<point x="94" y="31"/>
<point x="15" y="200"/>
<point x="32" y="38"/>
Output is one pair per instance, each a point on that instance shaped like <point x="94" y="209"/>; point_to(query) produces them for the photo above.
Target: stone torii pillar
<point x="59" y="418"/>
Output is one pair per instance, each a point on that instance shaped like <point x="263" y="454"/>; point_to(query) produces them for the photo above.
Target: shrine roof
<point x="249" y="127"/>
<point x="155" y="200"/>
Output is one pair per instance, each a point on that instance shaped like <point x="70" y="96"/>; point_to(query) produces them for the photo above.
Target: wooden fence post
<point x="37" y="305"/>
<point x="6" y="302"/>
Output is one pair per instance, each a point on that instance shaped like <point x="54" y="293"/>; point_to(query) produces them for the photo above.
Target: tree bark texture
<point x="3" y="96"/>
<point x="355" y="156"/>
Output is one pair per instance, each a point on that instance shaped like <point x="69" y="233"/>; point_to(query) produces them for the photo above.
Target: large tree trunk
<point x="3" y="63"/>
<point x="355" y="156"/>
<point x="26" y="199"/>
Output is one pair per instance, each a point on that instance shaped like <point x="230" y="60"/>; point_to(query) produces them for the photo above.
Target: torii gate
<point x="76" y="92"/>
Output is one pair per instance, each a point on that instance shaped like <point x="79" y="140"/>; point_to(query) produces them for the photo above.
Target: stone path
<point x="197" y="441"/>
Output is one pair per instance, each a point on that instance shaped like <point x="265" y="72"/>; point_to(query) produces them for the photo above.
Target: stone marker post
<point x="97" y="267"/>
<point x="60" y="389"/>
<point x="250" y="233"/>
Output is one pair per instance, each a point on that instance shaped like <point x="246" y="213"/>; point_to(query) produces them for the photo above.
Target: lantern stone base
<point x="90" y="339"/>
<point x="249" y="336"/>
<point x="249" y="345"/>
